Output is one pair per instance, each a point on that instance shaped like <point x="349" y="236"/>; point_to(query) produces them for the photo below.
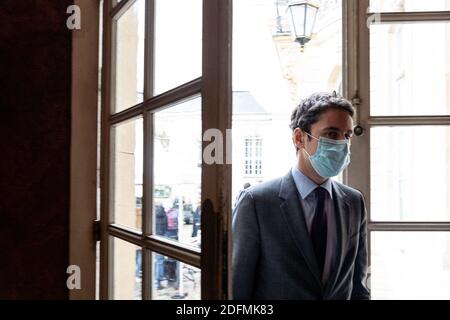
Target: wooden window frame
<point x="215" y="89"/>
<point x="84" y="143"/>
<point x="357" y="89"/>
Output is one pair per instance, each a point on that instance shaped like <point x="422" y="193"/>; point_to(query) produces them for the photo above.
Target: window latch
<point x="358" y="130"/>
<point x="97" y="228"/>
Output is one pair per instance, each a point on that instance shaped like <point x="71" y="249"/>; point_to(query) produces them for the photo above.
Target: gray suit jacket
<point x="273" y="256"/>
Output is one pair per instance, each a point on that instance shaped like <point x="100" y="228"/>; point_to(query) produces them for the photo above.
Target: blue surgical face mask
<point x="331" y="157"/>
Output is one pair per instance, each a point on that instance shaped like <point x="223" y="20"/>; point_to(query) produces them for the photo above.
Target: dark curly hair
<point x="310" y="109"/>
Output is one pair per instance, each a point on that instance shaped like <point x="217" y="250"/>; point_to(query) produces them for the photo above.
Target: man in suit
<point x="303" y="236"/>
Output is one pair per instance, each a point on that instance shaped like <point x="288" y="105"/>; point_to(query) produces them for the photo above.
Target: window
<point x="153" y="186"/>
<point x="253" y="157"/>
<point x="161" y="93"/>
<point x="402" y="161"/>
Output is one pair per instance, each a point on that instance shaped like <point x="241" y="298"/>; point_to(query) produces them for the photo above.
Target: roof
<point x="243" y="103"/>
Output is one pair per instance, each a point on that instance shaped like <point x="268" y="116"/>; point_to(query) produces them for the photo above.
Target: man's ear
<point x="297" y="138"/>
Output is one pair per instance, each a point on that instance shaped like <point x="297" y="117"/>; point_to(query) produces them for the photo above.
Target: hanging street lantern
<point x="302" y="15"/>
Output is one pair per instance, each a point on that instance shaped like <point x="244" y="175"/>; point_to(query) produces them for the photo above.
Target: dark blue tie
<point x="319" y="229"/>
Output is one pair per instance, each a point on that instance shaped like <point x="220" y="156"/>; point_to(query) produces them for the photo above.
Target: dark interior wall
<point x="35" y="96"/>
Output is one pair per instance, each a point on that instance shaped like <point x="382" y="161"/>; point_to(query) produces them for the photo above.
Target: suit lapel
<point x="296" y="222"/>
<point x="341" y="210"/>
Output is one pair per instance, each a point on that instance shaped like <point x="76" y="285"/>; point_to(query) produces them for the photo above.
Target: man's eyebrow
<point x="336" y="130"/>
<point x="331" y="129"/>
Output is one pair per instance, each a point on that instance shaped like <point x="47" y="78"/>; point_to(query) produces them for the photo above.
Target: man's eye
<point x="332" y="135"/>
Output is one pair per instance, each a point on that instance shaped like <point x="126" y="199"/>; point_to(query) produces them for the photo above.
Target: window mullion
<point x="399" y="17"/>
<point x="120" y="8"/>
<point x="409" y="226"/>
<point x="216" y="178"/>
<point x="105" y="216"/>
<point x="147" y="210"/>
<point x="356" y="86"/>
<point x="409" y="121"/>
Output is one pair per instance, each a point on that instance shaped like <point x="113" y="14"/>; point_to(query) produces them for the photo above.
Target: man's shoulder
<point x="351" y="192"/>
<point x="265" y="189"/>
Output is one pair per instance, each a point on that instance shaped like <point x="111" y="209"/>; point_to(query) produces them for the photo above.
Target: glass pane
<point x="408" y="5"/>
<point x="129" y="66"/>
<point x="410" y="176"/>
<point x="127" y="173"/>
<point x="410" y="265"/>
<point x="178" y="43"/>
<point x="177" y="172"/>
<point x="271" y="75"/>
<point x="166" y="279"/>
<point x="409" y="77"/>
<point x="298" y="19"/>
<point x="310" y="19"/>
<point x="127" y="270"/>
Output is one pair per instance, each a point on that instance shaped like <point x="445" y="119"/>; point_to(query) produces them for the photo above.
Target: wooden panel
<point x="35" y="82"/>
<point x="105" y="216"/>
<point x="83" y="203"/>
